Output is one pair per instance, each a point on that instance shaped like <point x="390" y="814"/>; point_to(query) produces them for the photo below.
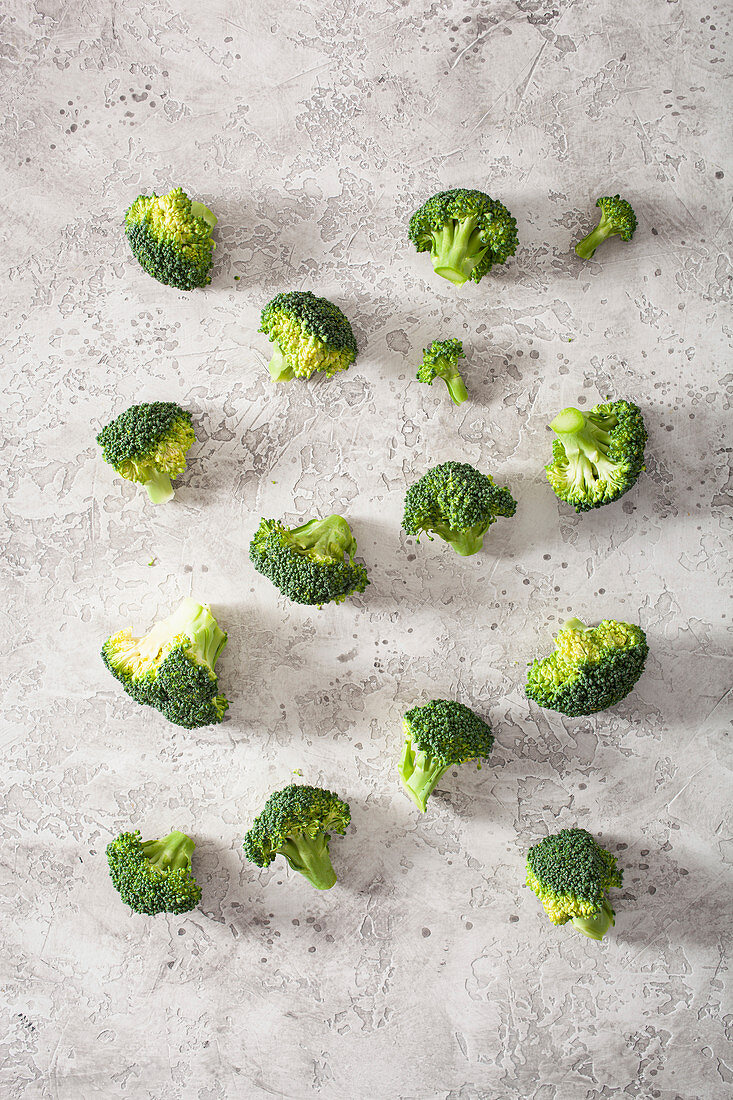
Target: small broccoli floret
<point x="312" y="564"/>
<point x="170" y="238"/>
<point x="309" y="333"/>
<point x="590" y="669"/>
<point x="154" y="876"/>
<point x="598" y="455"/>
<point x="617" y="220"/>
<point x="439" y="361"/>
<point x="457" y="503"/>
<point x="465" y="232"/>
<point x="570" y="874"/>
<point x="296" y="823"/>
<point x="148" y="444"/>
<point x="172" y="667"/>
<point x="439" y="735"/>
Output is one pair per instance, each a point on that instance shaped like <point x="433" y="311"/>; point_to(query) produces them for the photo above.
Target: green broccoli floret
<point x="617" y="220"/>
<point x="309" y="333"/>
<point x="590" y="669"/>
<point x="154" y="876"/>
<point x="170" y="238"/>
<point x="311" y="564"/>
<point x="296" y="823"/>
<point x="439" y="361"/>
<point x="598" y="455"/>
<point x="171" y="667"/>
<point x="148" y="444"/>
<point x="570" y="874"/>
<point x="465" y="232"/>
<point x="457" y="503"/>
<point x="439" y="735"/>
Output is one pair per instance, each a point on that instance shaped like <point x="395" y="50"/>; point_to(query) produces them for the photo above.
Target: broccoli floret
<point x="465" y="232"/>
<point x="570" y="874"/>
<point x="296" y="823"/>
<point x="170" y="238"/>
<point x="590" y="669"/>
<point x="148" y="444"/>
<point x="457" y="503"/>
<point x="598" y="455"/>
<point x="439" y="735"/>
<point x="311" y="564"/>
<point x="171" y="667"/>
<point x="439" y="361"/>
<point x="617" y="220"/>
<point x="154" y="876"/>
<point x="309" y="333"/>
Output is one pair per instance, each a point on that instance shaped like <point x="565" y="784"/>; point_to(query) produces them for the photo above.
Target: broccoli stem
<point x="580" y="436"/>
<point x="589" y="244"/>
<point x="420" y="774"/>
<point x="328" y="538"/>
<point x="456" y="385"/>
<point x="200" y="211"/>
<point x="595" y="927"/>
<point x="457" y="248"/>
<point x="310" y="857"/>
<point x="574" y="624"/>
<point x="279" y="368"/>
<point x="172" y="853"/>
<point x="466" y="542"/>
<point x="159" y="488"/>
<point x="207" y="639"/>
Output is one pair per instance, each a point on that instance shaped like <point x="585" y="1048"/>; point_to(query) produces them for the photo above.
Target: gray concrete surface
<point x="313" y="130"/>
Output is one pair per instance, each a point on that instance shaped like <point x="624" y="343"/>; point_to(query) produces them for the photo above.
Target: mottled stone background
<point x="313" y="130"/>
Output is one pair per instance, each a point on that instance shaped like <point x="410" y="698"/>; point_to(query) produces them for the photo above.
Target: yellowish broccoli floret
<point x="590" y="669"/>
<point x="570" y="873"/>
<point x="170" y="237"/>
<point x="310" y="335"/>
<point x="148" y="444"/>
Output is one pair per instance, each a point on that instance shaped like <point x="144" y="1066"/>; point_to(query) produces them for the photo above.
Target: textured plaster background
<point x="313" y="130"/>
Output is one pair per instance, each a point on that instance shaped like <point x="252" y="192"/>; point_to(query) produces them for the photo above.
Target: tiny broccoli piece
<point x="148" y="444"/>
<point x="570" y="874"/>
<point x="590" y="669"/>
<point x="311" y="564"/>
<point x="465" y="232"/>
<point x="617" y="220"/>
<point x="439" y="735"/>
<point x="296" y="823"/>
<point x="309" y="333"/>
<point x="172" y="667"/>
<point x="170" y="237"/>
<point x="457" y="503"/>
<point x="598" y="455"/>
<point x="439" y="361"/>
<point x="154" y="876"/>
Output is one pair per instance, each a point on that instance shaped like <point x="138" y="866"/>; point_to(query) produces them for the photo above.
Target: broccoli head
<point x="439" y="735"/>
<point x="570" y="874"/>
<point x="296" y="823"/>
<point x="617" y="220"/>
<point x="309" y="333"/>
<point x="439" y="361"/>
<point x="148" y="444"/>
<point x="590" y="669"/>
<point x="171" y="667"/>
<point x="312" y="564"/>
<point x="457" y="503"/>
<point x="170" y="238"/>
<point x="465" y="232"/>
<point x="598" y="455"/>
<point x="154" y="876"/>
